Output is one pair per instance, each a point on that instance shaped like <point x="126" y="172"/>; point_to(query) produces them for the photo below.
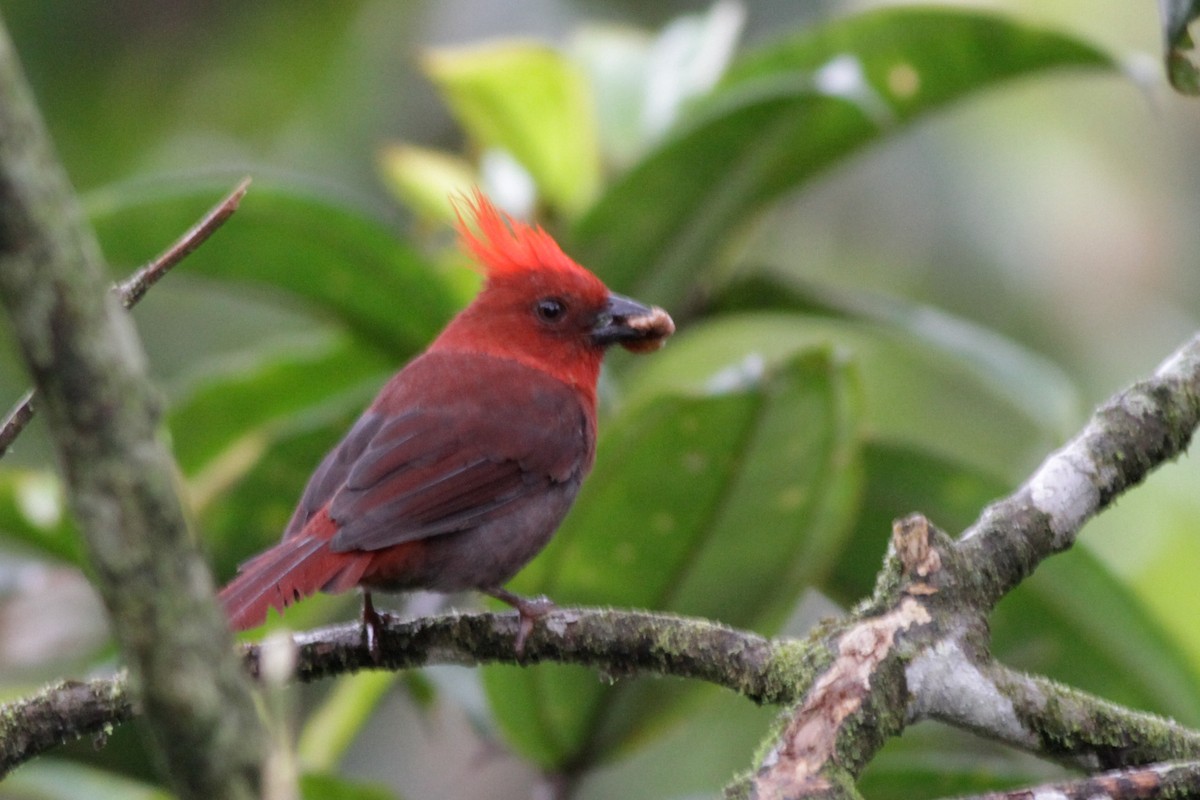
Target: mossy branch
<point x="88" y="367"/>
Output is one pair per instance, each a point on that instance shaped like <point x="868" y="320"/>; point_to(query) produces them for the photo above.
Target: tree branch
<point x="133" y="288"/>
<point x="617" y="643"/>
<point x="59" y="714"/>
<point x="614" y="642"/>
<point x="1159" y="781"/>
<point x="1041" y="716"/>
<point x="1127" y="438"/>
<point x="88" y="368"/>
<point x="920" y="645"/>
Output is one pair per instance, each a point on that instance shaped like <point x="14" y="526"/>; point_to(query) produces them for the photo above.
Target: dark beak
<point x="631" y="324"/>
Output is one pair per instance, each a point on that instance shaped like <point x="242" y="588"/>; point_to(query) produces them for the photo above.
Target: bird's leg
<point x="373" y="623"/>
<point x="529" y="609"/>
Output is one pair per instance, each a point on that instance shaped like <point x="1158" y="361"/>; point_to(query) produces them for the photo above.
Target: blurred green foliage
<point x="748" y="473"/>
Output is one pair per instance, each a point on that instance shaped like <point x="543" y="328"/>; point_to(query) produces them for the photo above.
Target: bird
<point x="468" y="459"/>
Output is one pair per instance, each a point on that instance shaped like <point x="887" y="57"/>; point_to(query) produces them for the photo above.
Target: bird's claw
<point x="373" y="624"/>
<point x="529" y="611"/>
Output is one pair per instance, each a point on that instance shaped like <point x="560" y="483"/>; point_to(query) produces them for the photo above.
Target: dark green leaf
<point x="33" y="513"/>
<point x="323" y="786"/>
<point x="788" y="111"/>
<point x="1078" y="623"/>
<point x="912" y="393"/>
<point x="128" y="85"/>
<point x="900" y="480"/>
<point x="932" y="760"/>
<point x="1023" y="378"/>
<point x="56" y="779"/>
<point x="343" y="265"/>
<point x="283" y="389"/>
<point x="254" y="511"/>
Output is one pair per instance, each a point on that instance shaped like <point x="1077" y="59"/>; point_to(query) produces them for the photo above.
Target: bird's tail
<point x="293" y="569"/>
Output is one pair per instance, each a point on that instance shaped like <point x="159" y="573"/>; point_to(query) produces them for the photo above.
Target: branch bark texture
<point x="938" y="664"/>
<point x="1129" y="436"/>
<point x="88" y="368"/>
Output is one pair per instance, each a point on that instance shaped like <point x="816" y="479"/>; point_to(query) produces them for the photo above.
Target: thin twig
<point x="16" y="421"/>
<point x="133" y="288"/>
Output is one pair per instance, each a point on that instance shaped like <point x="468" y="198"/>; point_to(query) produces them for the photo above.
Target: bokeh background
<point x="1053" y="217"/>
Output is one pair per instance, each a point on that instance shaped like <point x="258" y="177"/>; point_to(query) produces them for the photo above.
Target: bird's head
<point x="539" y="307"/>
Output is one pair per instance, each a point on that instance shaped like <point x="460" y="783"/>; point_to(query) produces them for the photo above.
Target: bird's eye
<point x="550" y="309"/>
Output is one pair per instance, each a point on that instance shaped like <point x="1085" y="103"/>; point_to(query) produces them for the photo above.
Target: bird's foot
<point x="529" y="609"/>
<point x="373" y="624"/>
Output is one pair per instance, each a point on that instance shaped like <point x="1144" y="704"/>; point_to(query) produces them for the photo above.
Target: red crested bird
<point x="468" y="459"/>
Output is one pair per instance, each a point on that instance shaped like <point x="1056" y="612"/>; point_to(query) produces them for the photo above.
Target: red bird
<point x="469" y="458"/>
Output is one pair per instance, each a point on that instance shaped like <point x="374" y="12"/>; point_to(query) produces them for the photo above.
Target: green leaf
<point x="33" y="513"/>
<point x="902" y="479"/>
<point x="531" y="101"/>
<point x="255" y="509"/>
<point x="932" y="760"/>
<point x="912" y="393"/>
<point x="343" y="265"/>
<point x="278" y="389"/>
<point x="1023" y="378"/>
<point x="784" y="113"/>
<point x="322" y="786"/>
<point x="1181" y="57"/>
<point x="643" y="82"/>
<point x="168" y="96"/>
<point x="427" y="180"/>
<point x="336" y="723"/>
<point x="725" y="503"/>
<point x="55" y="779"/>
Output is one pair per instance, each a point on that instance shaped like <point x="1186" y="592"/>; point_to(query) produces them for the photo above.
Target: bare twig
<point x="16" y="421"/>
<point x="133" y="288"/>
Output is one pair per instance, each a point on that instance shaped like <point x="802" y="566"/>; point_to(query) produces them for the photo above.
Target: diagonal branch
<point x="133" y="288"/>
<point x="919" y="648"/>
<point x="1039" y="715"/>
<point x="1127" y="438"/>
<point x="15" y="422"/>
<point x="88" y="367"/>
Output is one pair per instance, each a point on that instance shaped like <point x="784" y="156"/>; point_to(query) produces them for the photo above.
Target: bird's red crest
<point x="505" y="246"/>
